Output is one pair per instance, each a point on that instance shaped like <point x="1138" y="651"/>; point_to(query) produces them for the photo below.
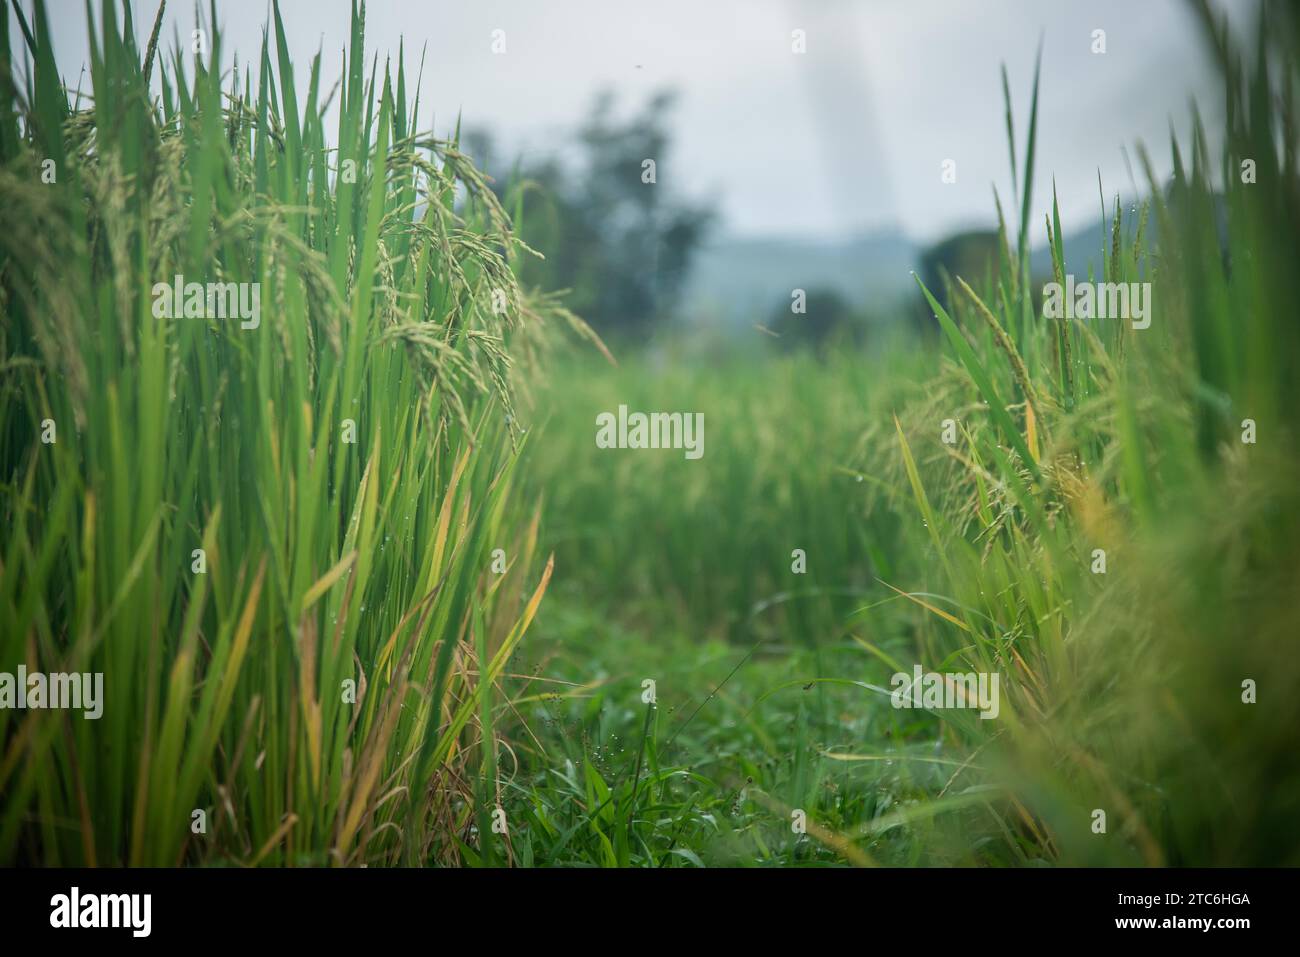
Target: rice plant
<point x="272" y="536"/>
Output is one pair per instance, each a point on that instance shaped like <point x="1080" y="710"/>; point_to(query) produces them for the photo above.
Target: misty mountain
<point x="744" y="280"/>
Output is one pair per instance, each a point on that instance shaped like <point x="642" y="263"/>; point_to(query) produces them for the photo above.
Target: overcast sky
<point x="845" y="138"/>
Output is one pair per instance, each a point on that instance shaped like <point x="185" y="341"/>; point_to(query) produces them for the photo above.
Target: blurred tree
<point x="972" y="255"/>
<point x="622" y="244"/>
<point x="828" y="321"/>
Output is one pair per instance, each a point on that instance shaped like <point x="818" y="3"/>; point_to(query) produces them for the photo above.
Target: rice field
<point x="292" y="460"/>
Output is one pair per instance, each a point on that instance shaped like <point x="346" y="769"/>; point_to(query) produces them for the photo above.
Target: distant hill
<point x="744" y="280"/>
